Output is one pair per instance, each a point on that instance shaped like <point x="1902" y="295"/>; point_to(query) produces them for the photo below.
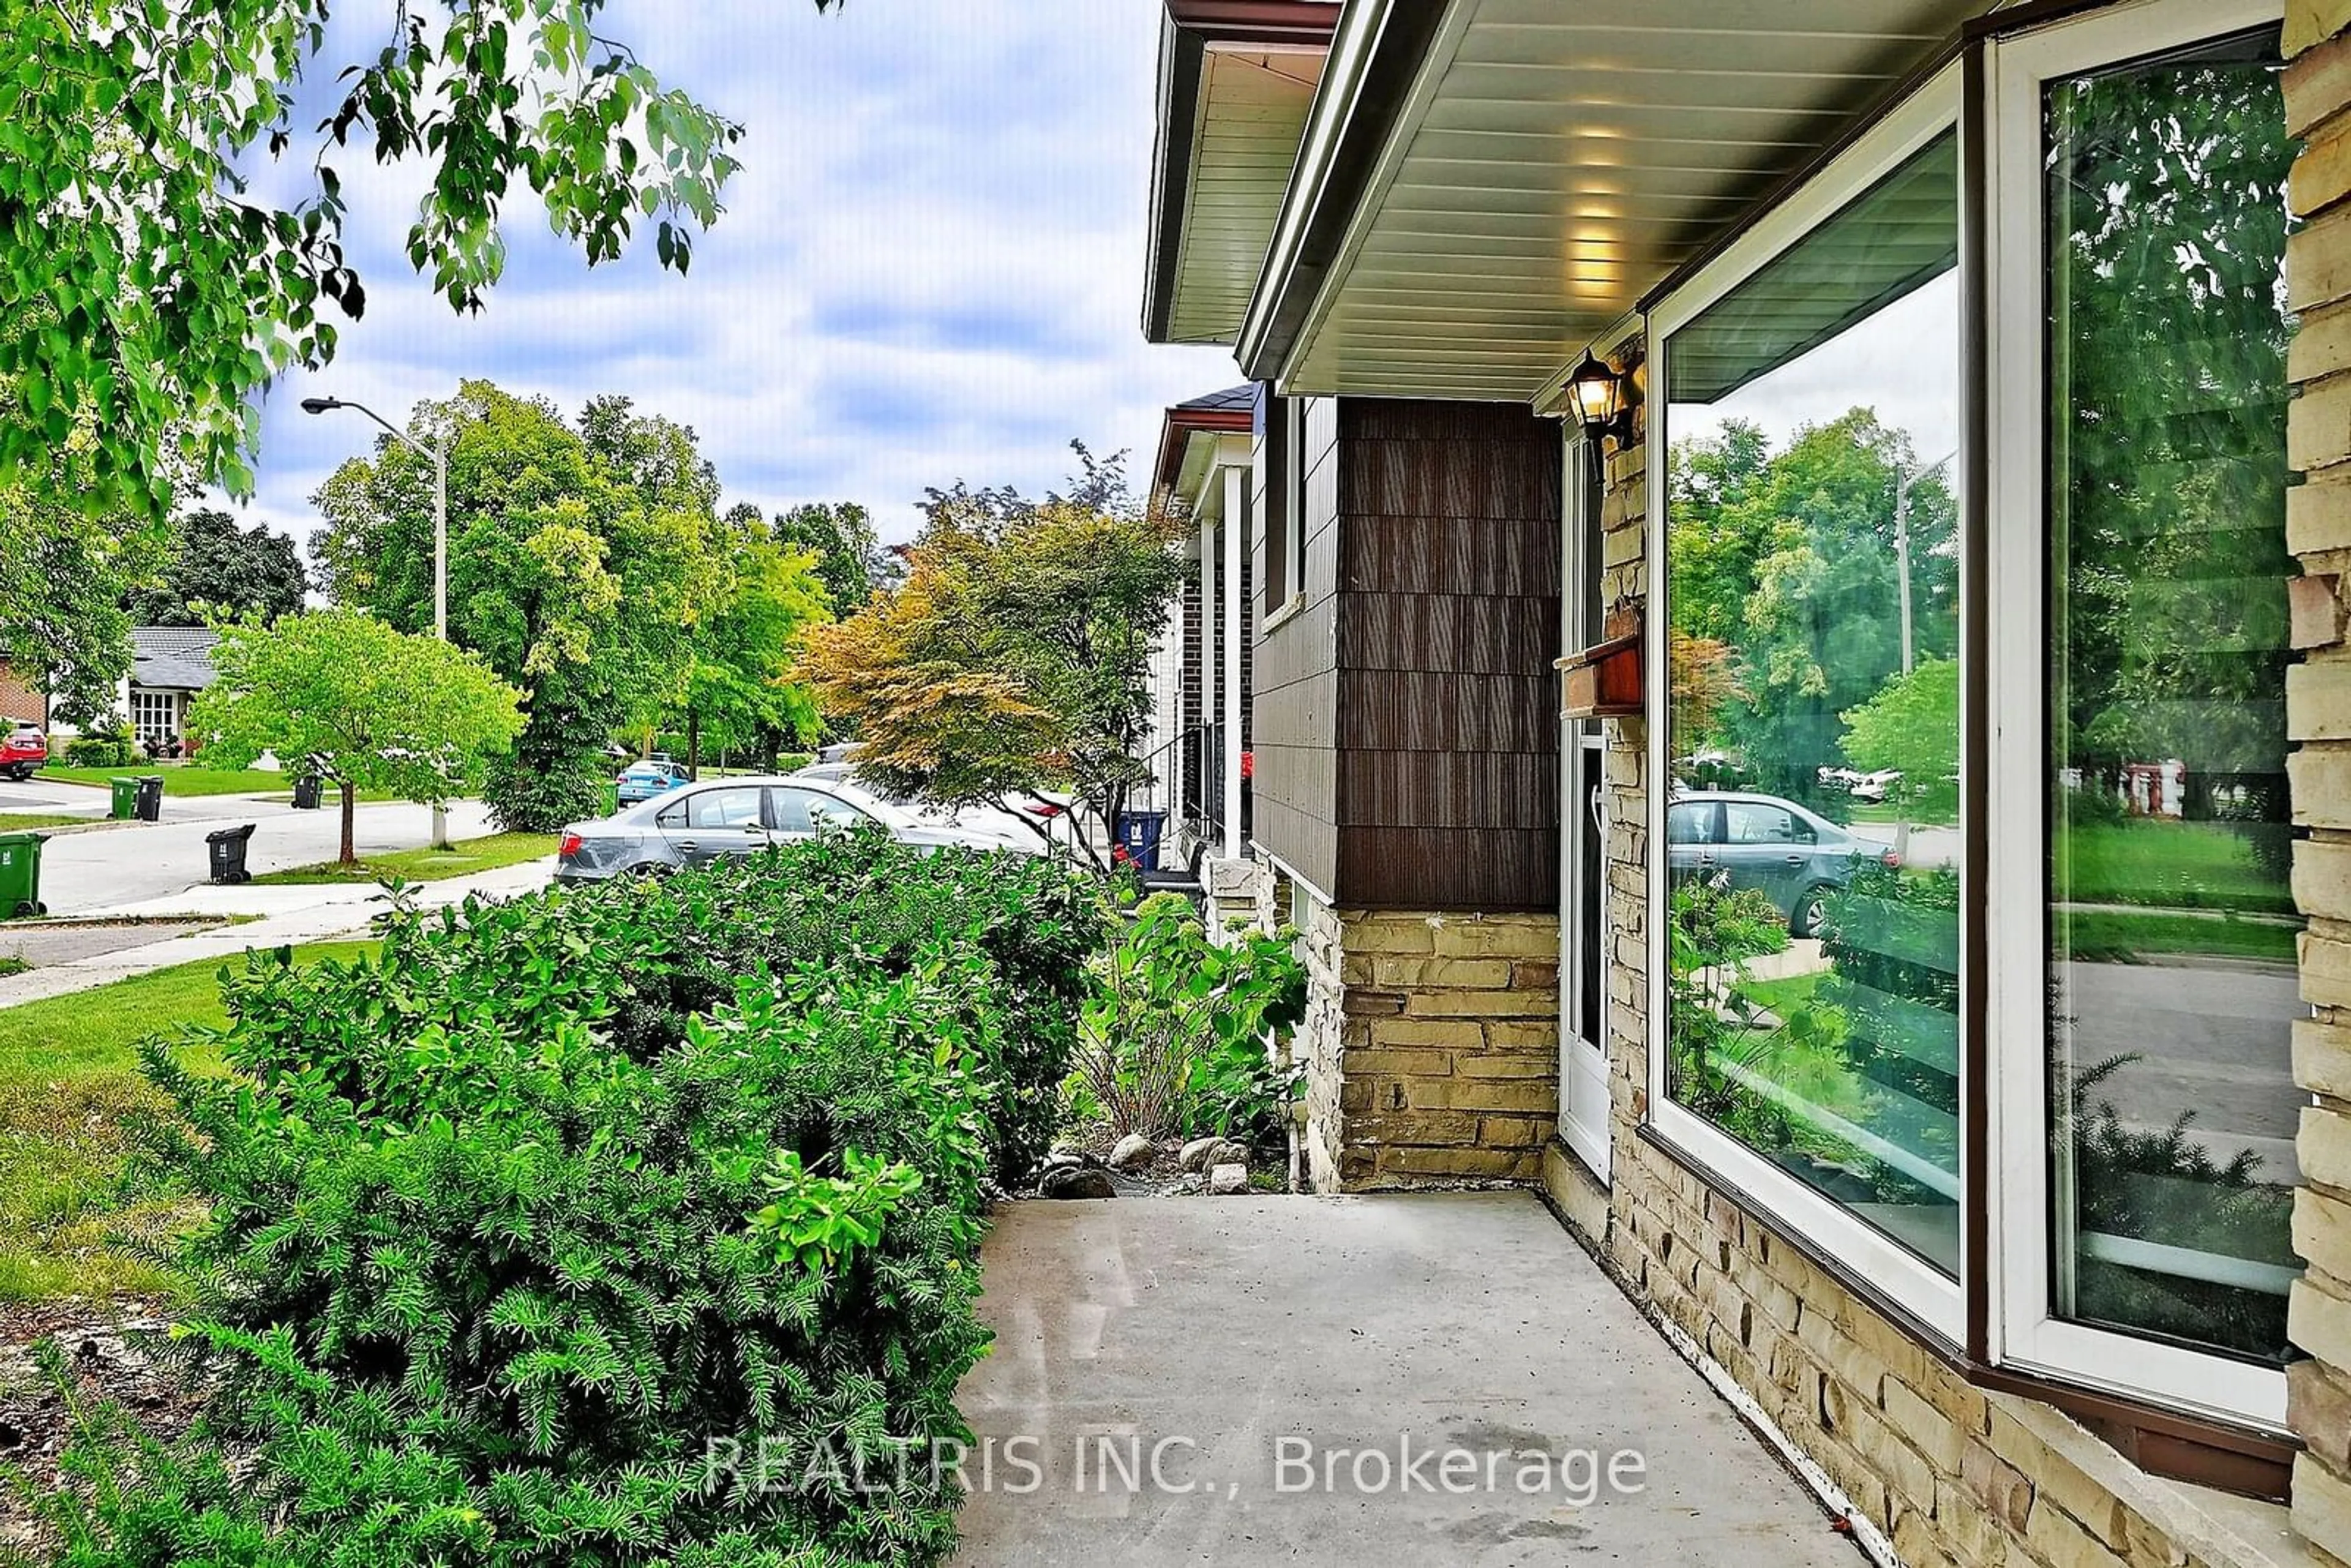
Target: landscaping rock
<point x="1076" y="1181"/>
<point x="1201" y="1154"/>
<point x="1133" y="1152"/>
<point x="1228" y="1178"/>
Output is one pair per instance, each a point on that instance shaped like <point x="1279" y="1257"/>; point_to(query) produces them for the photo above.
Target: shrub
<point x="509" y="1232"/>
<point x="1711" y="933"/>
<point x="108" y="743"/>
<point x="553" y="777"/>
<point x="1175" y="1033"/>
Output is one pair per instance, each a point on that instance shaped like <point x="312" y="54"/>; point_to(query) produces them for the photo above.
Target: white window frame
<point x="154" y="714"/>
<point x="1932" y="1299"/>
<point x="2024" y="1332"/>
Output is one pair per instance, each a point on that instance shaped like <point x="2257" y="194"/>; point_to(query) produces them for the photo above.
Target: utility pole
<point x="1902" y="484"/>
<point x="438" y="453"/>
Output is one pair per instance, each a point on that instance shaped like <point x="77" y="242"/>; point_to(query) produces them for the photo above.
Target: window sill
<point x="1287" y="613"/>
<point x="2197" y="1458"/>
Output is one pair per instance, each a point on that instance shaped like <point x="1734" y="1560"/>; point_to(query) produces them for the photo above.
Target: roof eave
<point x="1182" y="426"/>
<point x="1188" y="30"/>
<point x="1378" y="52"/>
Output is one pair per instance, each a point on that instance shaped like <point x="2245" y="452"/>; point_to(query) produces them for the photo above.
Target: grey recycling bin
<point x="151" y="797"/>
<point x="306" y="792"/>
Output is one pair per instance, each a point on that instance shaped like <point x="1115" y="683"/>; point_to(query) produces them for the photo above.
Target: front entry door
<point x="1584" y="1100"/>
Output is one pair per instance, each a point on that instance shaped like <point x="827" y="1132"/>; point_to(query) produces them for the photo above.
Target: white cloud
<point x="930" y="268"/>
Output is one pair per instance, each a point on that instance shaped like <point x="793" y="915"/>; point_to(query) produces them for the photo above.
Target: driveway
<point x="1287" y="1360"/>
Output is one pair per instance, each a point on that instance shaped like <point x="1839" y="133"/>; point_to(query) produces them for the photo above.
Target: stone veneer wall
<point x="1953" y="1475"/>
<point x="2319" y="719"/>
<point x="1431" y="1043"/>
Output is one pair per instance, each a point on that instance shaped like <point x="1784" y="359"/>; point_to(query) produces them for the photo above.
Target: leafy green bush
<point x="552" y="778"/>
<point x="1711" y="932"/>
<point x="1175" y="1032"/>
<point x="106" y="743"/>
<point x="511" y="1231"/>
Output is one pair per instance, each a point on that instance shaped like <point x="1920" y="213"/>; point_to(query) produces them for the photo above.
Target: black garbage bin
<point x="306" y="792"/>
<point x="1138" y="838"/>
<point x="227" y="848"/>
<point x="151" y="798"/>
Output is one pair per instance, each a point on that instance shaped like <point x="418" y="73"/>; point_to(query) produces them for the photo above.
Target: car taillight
<point x="1044" y="808"/>
<point x="1893" y="861"/>
<point x="568" y="847"/>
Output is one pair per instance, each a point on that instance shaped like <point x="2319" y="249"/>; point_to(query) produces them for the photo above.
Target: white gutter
<point x="1352" y="46"/>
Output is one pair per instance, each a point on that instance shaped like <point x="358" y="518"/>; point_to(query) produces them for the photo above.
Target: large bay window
<point x="1974" y="952"/>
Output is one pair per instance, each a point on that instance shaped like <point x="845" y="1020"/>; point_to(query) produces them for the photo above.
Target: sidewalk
<point x="273" y="917"/>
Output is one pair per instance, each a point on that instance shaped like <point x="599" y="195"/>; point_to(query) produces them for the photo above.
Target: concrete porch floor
<point x="1233" y="1334"/>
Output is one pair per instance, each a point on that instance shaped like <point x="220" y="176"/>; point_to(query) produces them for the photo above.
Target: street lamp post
<point x="438" y="454"/>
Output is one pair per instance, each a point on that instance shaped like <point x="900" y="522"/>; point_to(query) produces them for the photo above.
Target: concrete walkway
<point x="273" y="917"/>
<point x="1290" y="1359"/>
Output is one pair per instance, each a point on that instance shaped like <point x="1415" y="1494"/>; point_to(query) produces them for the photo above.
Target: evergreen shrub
<point x="510" y="1231"/>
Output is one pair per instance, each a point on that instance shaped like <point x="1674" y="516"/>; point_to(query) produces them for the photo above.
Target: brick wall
<point x="2318" y="718"/>
<point x="20" y="698"/>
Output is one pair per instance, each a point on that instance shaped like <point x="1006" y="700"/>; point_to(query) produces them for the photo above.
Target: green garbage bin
<point x="126" y="798"/>
<point x="20" y="876"/>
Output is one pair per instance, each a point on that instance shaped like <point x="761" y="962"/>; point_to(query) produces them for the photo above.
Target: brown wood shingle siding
<point x="1407" y="730"/>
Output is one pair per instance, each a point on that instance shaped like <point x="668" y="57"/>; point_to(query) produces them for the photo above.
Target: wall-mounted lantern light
<point x="1601" y="399"/>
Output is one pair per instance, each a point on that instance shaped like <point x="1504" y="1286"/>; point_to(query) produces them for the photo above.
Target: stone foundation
<point x="1236" y="890"/>
<point x="1431" y="1043"/>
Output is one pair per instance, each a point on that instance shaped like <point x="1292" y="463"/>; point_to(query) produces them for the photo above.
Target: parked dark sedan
<point x="1793" y="856"/>
<point x="695" y="823"/>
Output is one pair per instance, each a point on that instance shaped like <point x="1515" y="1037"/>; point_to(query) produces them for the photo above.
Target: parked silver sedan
<point x="699" y="822"/>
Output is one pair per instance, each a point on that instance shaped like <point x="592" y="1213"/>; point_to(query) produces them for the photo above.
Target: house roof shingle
<point x="175" y="658"/>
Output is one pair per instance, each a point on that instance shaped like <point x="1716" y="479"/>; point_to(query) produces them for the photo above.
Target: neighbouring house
<point x="22" y="698"/>
<point x="169" y="665"/>
<point x="1198" y="749"/>
<point x="1738" y="494"/>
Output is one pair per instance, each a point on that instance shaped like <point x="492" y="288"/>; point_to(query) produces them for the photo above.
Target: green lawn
<point x="462" y="857"/>
<point x="27" y="821"/>
<point x="2172" y="865"/>
<point x="184" y="780"/>
<point x="1783" y="996"/>
<point x="2098" y="936"/>
<point x="70" y="1090"/>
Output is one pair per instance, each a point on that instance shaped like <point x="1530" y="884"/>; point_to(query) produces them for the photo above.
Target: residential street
<point x="84" y="872"/>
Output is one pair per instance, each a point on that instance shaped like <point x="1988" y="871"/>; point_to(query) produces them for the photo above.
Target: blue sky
<point x="930" y="268"/>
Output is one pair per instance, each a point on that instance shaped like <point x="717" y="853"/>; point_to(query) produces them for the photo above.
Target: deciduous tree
<point x="850" y="557"/>
<point x="369" y="706"/>
<point x="227" y="569"/>
<point x="1017" y="653"/>
<point x="741" y="691"/>
<point x="171" y="291"/>
<point x="582" y="565"/>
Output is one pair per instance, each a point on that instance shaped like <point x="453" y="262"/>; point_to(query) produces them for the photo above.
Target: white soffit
<point x="1253" y="105"/>
<point x="1567" y="157"/>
